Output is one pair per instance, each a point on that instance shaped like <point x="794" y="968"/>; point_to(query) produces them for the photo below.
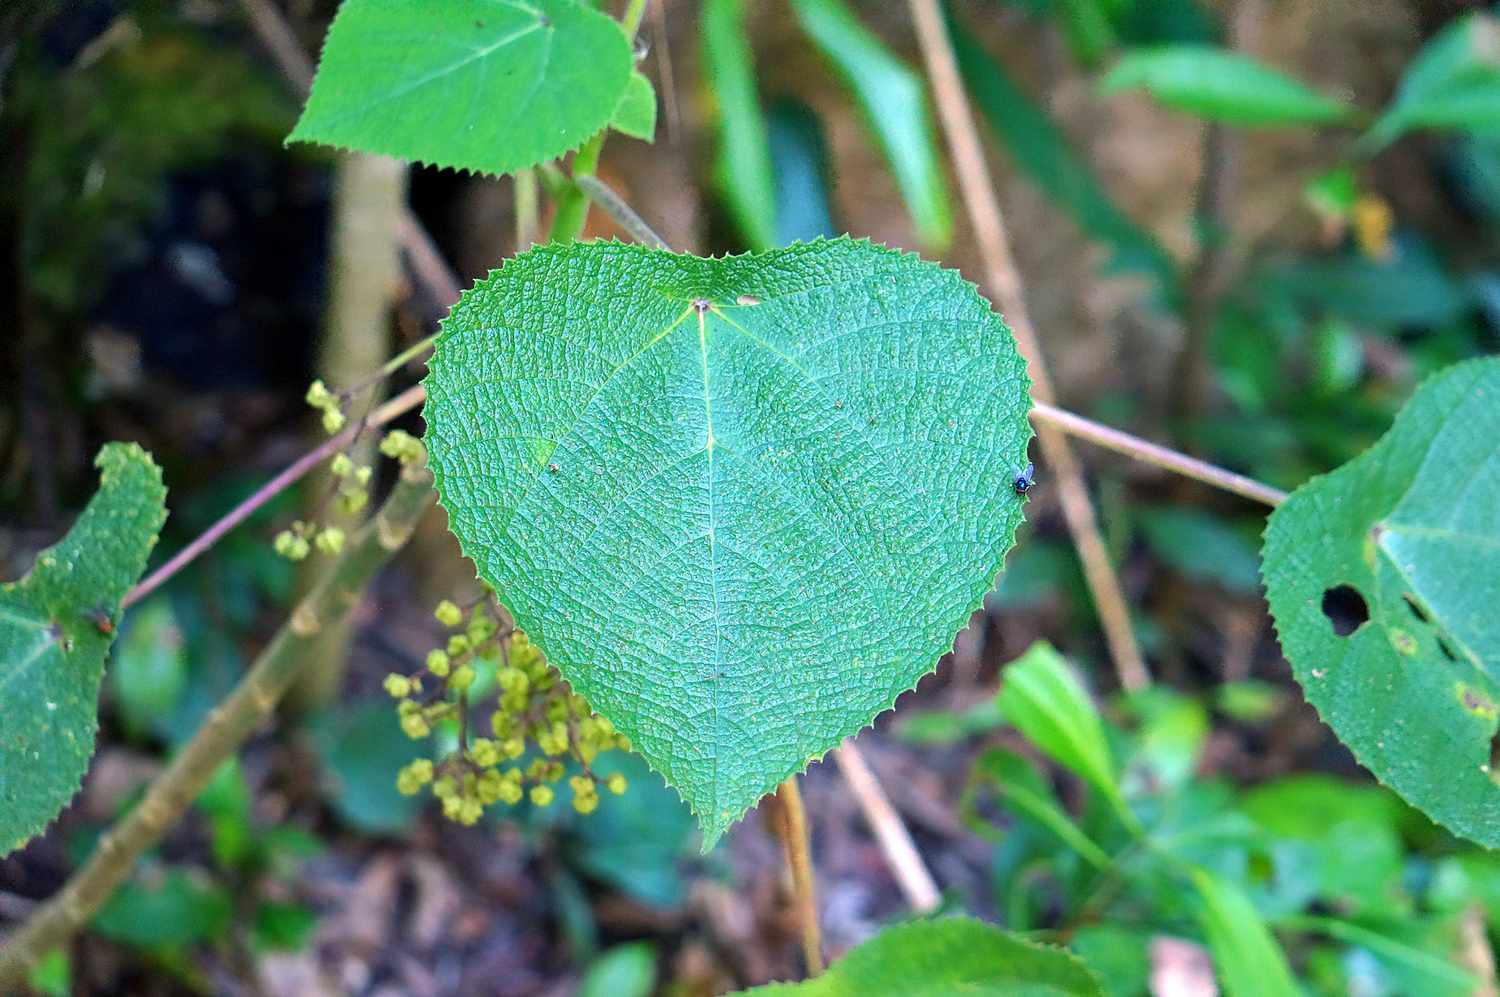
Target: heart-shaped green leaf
<point x="743" y="504"/>
<point x="1384" y="578"/>
<point x="492" y="87"/>
<point x="56" y="625"/>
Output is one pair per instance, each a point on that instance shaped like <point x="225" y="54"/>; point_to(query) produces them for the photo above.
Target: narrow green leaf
<point x="1435" y="974"/>
<point x="742" y="167"/>
<point x="1042" y="153"/>
<point x="56" y="626"/>
<point x="1454" y="82"/>
<point x="1219" y="85"/>
<point x="894" y="101"/>
<point x="636" y="114"/>
<point x="1249" y="960"/>
<point x="799" y="160"/>
<point x="1044" y="699"/>
<point x="1381" y="578"/>
<point x="742" y="504"/>
<point x="493" y="87"/>
<point x="951" y="957"/>
<point x="1023" y="788"/>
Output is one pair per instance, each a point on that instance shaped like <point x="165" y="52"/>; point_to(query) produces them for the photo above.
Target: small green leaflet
<point x="56" y="626"/>
<point x="1454" y="82"/>
<point x="742" y="504"/>
<point x="492" y="86"/>
<point x="636" y="115"/>
<point x="1382" y="579"/>
<point x="949" y="957"/>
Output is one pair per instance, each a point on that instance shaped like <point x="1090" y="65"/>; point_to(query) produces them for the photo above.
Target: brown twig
<point x="1152" y="453"/>
<point x="900" y="851"/>
<point x="794" y="838"/>
<point x="1004" y="280"/>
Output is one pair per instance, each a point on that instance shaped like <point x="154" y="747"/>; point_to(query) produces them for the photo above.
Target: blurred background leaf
<point x="1218" y="85"/>
<point x="894" y="101"/>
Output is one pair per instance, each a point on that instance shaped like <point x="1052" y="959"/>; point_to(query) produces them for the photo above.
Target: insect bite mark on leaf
<point x="1345" y="608"/>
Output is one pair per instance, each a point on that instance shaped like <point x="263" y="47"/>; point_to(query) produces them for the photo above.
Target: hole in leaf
<point x="1345" y="609"/>
<point x="1494" y="767"/>
<point x="1415" y="607"/>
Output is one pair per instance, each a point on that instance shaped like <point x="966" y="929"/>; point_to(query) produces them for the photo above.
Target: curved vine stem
<point x="1004" y="281"/>
<point x="398" y="406"/>
<point x="226" y="729"/>
<point x="794" y="838"/>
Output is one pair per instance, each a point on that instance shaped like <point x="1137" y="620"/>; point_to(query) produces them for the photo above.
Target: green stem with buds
<point x="226" y="729"/>
<point x="573" y="202"/>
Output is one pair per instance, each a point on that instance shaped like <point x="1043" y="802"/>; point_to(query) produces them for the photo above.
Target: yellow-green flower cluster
<point x="296" y="542"/>
<point x="328" y="403"/>
<point x="533" y="708"/>
<point x="401" y="446"/>
<point x="354" y="484"/>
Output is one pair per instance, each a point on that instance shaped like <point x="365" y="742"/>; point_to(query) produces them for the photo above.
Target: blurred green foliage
<point x="1340" y="881"/>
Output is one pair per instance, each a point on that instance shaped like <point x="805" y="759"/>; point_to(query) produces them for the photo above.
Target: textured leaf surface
<point x="56" y="625"/>
<point x="1400" y="550"/>
<point x="486" y="85"/>
<point x="894" y="100"/>
<point x="742" y="504"/>
<point x="953" y="957"/>
<point x="1218" y="85"/>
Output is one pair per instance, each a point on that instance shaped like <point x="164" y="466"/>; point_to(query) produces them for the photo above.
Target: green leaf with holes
<point x="56" y="625"/>
<point x="1383" y="577"/>
<point x="743" y="504"/>
<point x="951" y="957"/>
<point x="491" y="86"/>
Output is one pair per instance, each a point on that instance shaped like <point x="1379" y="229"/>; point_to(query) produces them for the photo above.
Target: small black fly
<point x="1026" y="479"/>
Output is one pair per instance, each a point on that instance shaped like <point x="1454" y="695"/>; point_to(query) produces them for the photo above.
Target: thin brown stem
<point x="1004" y="280"/>
<point x="901" y="853"/>
<point x="226" y="728"/>
<point x="1154" y="453"/>
<point x="398" y="406"/>
<point x="794" y="839"/>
